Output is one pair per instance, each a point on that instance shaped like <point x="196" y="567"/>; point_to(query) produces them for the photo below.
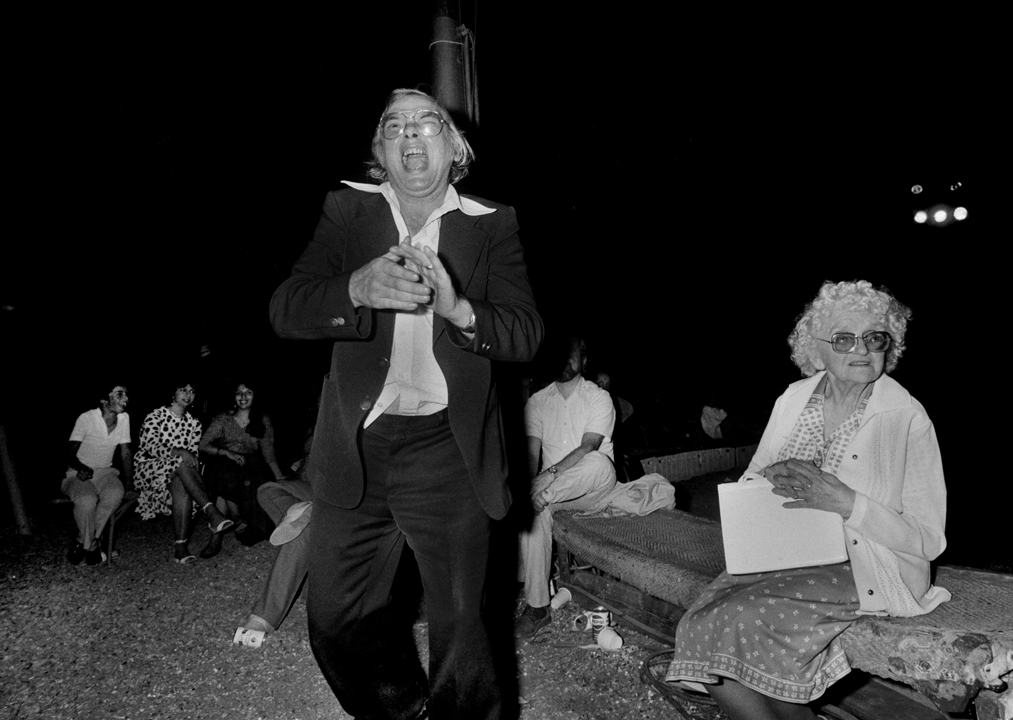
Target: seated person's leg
<point x="193" y="484"/>
<point x="536" y="559"/>
<point x="282" y="587"/>
<point x="277" y="496"/>
<point x="85" y="498"/>
<point x="585" y="486"/>
<point x="289" y="570"/>
<point x="182" y="510"/>
<point x="587" y="483"/>
<point x="110" y="495"/>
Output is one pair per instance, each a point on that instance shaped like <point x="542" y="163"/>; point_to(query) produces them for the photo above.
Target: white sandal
<point x="222" y="526"/>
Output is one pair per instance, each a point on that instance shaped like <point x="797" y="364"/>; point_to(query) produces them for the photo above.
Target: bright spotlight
<point x="921" y="216"/>
<point x="939" y="216"/>
<point x="960" y="213"/>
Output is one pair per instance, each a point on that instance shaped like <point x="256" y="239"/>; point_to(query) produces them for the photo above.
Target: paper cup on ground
<point x="608" y="639"/>
<point x="561" y="598"/>
<point x="249" y="638"/>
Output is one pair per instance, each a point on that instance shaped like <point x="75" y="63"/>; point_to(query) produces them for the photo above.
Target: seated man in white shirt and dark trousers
<point x="92" y="482"/>
<point x="569" y="428"/>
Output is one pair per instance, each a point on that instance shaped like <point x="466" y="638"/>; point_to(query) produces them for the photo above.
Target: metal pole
<point x="448" y="61"/>
<point x="17" y="502"/>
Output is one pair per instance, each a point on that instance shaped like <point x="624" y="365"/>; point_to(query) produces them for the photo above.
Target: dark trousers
<point x="418" y="490"/>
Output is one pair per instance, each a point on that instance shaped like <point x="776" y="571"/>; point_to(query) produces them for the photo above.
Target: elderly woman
<point x="848" y="440"/>
<point x="167" y="474"/>
<point x="238" y="450"/>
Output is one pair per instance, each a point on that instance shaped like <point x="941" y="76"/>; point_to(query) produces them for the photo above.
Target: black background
<point x="684" y="185"/>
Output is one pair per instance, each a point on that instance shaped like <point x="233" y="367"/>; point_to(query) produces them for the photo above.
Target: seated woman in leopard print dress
<point x="166" y="472"/>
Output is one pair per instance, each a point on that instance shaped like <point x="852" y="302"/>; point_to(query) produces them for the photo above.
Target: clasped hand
<point x="188" y="459"/>
<point x="386" y="284"/>
<point x="540" y="490"/>
<point x="806" y="486"/>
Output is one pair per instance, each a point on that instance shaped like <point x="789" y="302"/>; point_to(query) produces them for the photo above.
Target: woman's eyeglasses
<point x="844" y="343"/>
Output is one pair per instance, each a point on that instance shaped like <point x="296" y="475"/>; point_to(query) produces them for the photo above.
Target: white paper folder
<point x="759" y="535"/>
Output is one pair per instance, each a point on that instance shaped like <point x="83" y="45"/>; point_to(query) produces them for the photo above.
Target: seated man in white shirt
<point x="569" y="427"/>
<point x="91" y="480"/>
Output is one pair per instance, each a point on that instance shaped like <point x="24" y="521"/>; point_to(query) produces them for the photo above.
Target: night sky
<point x="683" y="187"/>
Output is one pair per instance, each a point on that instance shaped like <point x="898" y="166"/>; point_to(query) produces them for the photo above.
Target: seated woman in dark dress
<point x="238" y="452"/>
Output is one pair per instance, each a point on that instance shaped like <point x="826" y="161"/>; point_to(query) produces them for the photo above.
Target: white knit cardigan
<point x="896" y="526"/>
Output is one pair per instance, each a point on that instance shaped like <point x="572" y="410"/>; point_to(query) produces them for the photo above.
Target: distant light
<point x="960" y="213"/>
<point x="954" y="187"/>
<point x="921" y="216"/>
<point x="939" y="216"/>
<point x="916" y="189"/>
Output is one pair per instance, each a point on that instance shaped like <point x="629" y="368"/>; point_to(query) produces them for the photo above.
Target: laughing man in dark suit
<point x="421" y="288"/>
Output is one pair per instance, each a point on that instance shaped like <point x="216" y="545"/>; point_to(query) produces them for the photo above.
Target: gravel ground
<point x="146" y="638"/>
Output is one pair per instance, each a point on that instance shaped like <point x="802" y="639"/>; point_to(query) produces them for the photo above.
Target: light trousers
<point x="95" y="501"/>
<point x="585" y="486"/>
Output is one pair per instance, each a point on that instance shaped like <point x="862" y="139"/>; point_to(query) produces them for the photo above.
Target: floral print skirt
<point x="777" y="633"/>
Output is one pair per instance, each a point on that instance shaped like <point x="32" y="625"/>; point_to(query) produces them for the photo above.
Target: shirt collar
<point x="453" y="200"/>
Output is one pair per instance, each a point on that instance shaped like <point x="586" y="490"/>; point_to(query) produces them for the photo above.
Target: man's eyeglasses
<point x="430" y="123"/>
<point x="844" y="343"/>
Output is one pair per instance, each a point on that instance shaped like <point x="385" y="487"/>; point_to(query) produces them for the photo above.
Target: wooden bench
<point x="649" y="569"/>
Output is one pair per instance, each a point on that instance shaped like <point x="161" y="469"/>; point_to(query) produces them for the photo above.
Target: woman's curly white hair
<point x="463" y="154"/>
<point x="834" y="298"/>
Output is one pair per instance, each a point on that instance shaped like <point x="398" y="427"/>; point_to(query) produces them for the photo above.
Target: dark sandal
<point x="213" y="547"/>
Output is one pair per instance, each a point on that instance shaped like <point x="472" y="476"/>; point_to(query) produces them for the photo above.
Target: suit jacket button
<point x="384" y="362"/>
<point x="486" y="346"/>
<point x="335" y="322"/>
<point x="366" y="403"/>
<point x="871" y="592"/>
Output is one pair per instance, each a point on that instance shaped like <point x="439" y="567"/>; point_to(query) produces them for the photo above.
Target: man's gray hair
<point x="463" y="154"/>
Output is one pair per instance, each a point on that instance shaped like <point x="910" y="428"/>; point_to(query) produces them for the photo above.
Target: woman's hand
<point x="235" y="457"/>
<point x="809" y="487"/>
<point x="188" y="459"/>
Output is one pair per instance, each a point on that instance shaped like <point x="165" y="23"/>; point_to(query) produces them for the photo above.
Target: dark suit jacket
<point x="483" y="256"/>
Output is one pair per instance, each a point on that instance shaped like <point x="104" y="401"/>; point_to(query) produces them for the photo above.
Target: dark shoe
<point x="531" y="621"/>
<point x="93" y="556"/>
<point x="213" y="547"/>
<point x="76" y="554"/>
<point x="250" y="536"/>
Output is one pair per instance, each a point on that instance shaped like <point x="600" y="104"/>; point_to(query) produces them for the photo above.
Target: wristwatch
<point x="470" y="327"/>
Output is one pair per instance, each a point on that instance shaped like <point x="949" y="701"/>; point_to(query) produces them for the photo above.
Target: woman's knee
<point x="86" y="501"/>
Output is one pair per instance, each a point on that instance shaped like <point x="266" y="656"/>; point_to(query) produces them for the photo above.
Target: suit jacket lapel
<point x="375" y="229"/>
